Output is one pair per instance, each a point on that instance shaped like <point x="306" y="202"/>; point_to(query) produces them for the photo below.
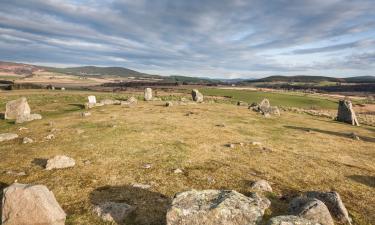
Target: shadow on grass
<point x="80" y="106"/>
<point x="150" y="207"/>
<point x="2" y="116"/>
<point x="40" y="162"/>
<point x="340" y="134"/>
<point x="366" y="180"/>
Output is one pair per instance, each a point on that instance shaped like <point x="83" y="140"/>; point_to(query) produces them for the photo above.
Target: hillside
<point x="313" y="79"/>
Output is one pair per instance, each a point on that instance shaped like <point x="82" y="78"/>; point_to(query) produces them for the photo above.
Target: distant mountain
<point x="313" y="79"/>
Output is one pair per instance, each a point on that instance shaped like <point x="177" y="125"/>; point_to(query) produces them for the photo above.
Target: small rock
<point x="241" y="103"/>
<point x="168" y="104"/>
<point x="178" y="171"/>
<point x="113" y="211"/>
<point x="256" y="143"/>
<point x="231" y="145"/>
<point x="311" y="209"/>
<point x="142" y="186"/>
<point x="15" y="173"/>
<point x="261" y="185"/>
<point x="354" y="136"/>
<point x="85" y="114"/>
<point x="23" y="128"/>
<point x="147" y="166"/>
<point x="220" y="125"/>
<point x="27" y="140"/>
<point x="7" y="136"/>
<point x="290" y="220"/>
<point x="50" y="137"/>
<point x="60" y="162"/>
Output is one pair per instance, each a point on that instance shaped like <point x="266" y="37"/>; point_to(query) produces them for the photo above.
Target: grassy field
<point x="304" y="153"/>
<point x="278" y="99"/>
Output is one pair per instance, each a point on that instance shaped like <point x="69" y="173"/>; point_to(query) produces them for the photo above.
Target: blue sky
<point x="210" y="38"/>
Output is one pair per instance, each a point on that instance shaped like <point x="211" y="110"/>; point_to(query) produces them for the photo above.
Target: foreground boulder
<point x="265" y="108"/>
<point x="261" y="185"/>
<point x="113" y="211"/>
<point x="334" y="203"/>
<point x="148" y="94"/>
<point x="311" y="209"/>
<point x="216" y="207"/>
<point x="7" y="136"/>
<point x="60" y="162"/>
<point x="196" y="95"/>
<point x="345" y="113"/>
<point x="290" y="220"/>
<point x="25" y="204"/>
<point x="17" y="108"/>
<point x="27" y="118"/>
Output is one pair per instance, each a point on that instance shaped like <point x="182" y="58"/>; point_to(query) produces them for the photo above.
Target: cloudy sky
<point x="210" y="38"/>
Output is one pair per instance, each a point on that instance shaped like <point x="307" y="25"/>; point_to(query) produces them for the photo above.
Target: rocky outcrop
<point x="148" y="94"/>
<point x="196" y="95"/>
<point x="60" y="162"/>
<point x="216" y="207"/>
<point x="290" y="220"/>
<point x="345" y="113"/>
<point x="32" y="205"/>
<point x="311" y="209"/>
<point x="7" y="136"/>
<point x="265" y="108"/>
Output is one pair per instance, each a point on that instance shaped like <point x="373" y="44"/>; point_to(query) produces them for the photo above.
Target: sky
<point x="204" y="38"/>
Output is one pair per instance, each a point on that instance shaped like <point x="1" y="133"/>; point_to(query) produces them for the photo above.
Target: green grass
<point x="279" y="99"/>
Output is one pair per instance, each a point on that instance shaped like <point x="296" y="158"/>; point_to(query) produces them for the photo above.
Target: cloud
<point x="214" y="38"/>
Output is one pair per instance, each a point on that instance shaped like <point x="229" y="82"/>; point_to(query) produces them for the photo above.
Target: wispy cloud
<point x="216" y="38"/>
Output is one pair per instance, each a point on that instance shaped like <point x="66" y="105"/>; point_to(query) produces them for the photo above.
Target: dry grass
<point x="118" y="141"/>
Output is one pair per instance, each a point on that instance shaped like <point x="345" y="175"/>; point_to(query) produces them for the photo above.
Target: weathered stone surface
<point x="7" y="136"/>
<point x="25" y="204"/>
<point x="345" y="113"/>
<point x="28" y="118"/>
<point x="60" y="162"/>
<point x="148" y="94"/>
<point x="196" y="95"/>
<point x="334" y="203"/>
<point x="113" y="211"/>
<point x="290" y="220"/>
<point x="17" y="108"/>
<point x="216" y="207"/>
<point x="92" y="99"/>
<point x="261" y="185"/>
<point x="311" y="209"/>
<point x="27" y="140"/>
<point x="265" y="108"/>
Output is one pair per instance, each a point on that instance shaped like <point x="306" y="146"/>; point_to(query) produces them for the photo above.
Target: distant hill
<point x="313" y="79"/>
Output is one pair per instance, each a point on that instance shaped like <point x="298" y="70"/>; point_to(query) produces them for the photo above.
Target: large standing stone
<point x="92" y="99"/>
<point x="60" y="162"/>
<point x="346" y="113"/>
<point x="334" y="203"/>
<point x="113" y="211"/>
<point x="216" y="207"/>
<point x="196" y="95"/>
<point x="290" y="220"/>
<point x="25" y="204"/>
<point x="311" y="209"/>
<point x="7" y="136"/>
<point x="17" y="108"/>
<point x="148" y="94"/>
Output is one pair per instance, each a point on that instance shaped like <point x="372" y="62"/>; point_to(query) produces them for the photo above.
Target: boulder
<point x="60" y="162"/>
<point x="290" y="220"/>
<point x="27" y="140"/>
<point x="311" y="209"/>
<point x="148" y="94"/>
<point x="113" y="211"/>
<point x="7" y="136"/>
<point x="196" y="95"/>
<point x="261" y="185"/>
<point x="334" y="204"/>
<point x="17" y="108"/>
<point x="265" y="108"/>
<point x="28" y="118"/>
<point x="32" y="205"/>
<point x="216" y="207"/>
<point x="92" y="99"/>
<point x="345" y="113"/>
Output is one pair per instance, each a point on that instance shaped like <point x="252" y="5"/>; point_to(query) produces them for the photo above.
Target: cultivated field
<point x="116" y="145"/>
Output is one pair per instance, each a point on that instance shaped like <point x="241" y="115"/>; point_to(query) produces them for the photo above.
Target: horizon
<point x="226" y="40"/>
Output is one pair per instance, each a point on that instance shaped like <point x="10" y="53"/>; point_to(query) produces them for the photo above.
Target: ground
<point x="302" y="153"/>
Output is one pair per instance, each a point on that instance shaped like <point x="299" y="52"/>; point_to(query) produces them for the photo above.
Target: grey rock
<point x="32" y="205"/>
<point x="168" y="104"/>
<point x="113" y="211"/>
<point x="290" y="220"/>
<point x="265" y="108"/>
<point x="148" y="94"/>
<point x="49" y="137"/>
<point x="345" y="113"/>
<point x="311" y="209"/>
<point x="334" y="203"/>
<point x="261" y="185"/>
<point x="141" y="186"/>
<point x="216" y="207"/>
<point x="196" y="95"/>
<point x="17" y="108"/>
<point x="15" y="173"/>
<point x="177" y="171"/>
<point x="60" y="162"/>
<point x="28" y="118"/>
<point x="27" y="140"/>
<point x="7" y="136"/>
<point x="92" y="99"/>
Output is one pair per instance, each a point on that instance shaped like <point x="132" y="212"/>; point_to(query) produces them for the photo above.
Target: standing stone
<point x="32" y="205"/>
<point x="92" y="99"/>
<point x="60" y="162"/>
<point x="216" y="207"/>
<point x="196" y="95"/>
<point x="346" y="113"/>
<point x="290" y="220"/>
<point x="148" y="94"/>
<point x="17" y="108"/>
<point x="334" y="203"/>
<point x="311" y="209"/>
